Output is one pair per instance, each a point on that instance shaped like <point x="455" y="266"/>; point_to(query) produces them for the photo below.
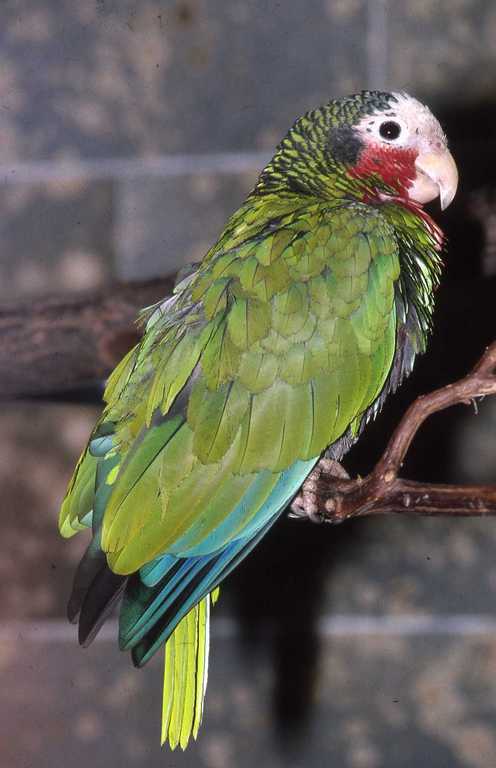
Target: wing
<point x="267" y="356"/>
<point x="273" y="350"/>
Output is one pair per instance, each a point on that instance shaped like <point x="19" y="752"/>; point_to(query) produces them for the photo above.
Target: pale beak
<point x="437" y="176"/>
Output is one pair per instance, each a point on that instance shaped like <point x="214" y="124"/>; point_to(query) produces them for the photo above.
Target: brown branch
<point x="330" y="495"/>
<point x="59" y="344"/>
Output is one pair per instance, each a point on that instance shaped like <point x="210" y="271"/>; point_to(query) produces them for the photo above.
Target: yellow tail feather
<point x="185" y="675"/>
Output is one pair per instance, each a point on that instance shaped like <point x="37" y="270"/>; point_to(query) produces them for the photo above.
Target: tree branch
<point x="54" y="346"/>
<point x="58" y="344"/>
<point x="329" y="495"/>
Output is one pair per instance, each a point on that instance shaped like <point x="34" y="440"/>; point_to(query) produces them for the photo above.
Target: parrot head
<point x="372" y="146"/>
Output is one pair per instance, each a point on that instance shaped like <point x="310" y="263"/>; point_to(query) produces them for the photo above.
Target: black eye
<point x="390" y="130"/>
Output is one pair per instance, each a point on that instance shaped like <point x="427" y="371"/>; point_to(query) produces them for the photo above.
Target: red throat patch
<point x="395" y="166"/>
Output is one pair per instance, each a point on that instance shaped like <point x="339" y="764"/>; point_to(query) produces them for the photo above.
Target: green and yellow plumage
<point x="281" y="344"/>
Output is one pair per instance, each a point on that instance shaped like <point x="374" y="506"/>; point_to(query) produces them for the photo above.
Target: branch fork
<point x="330" y="495"/>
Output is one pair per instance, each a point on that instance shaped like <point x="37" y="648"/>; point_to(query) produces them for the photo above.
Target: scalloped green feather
<point x="216" y="299"/>
<point x="136" y="486"/>
<point x="220" y="358"/>
<point x="257" y="370"/>
<point x="78" y="500"/>
<point x="172" y="374"/>
<point x="218" y="419"/>
<point x="248" y="321"/>
<point x="119" y="377"/>
<point x="264" y="282"/>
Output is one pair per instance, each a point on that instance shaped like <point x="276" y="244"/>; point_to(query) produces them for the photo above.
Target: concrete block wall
<point x="128" y="133"/>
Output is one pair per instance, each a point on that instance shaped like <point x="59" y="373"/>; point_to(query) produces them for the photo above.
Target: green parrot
<point x="279" y="346"/>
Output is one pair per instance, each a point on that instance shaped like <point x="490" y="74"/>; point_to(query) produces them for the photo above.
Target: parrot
<point x="274" y="350"/>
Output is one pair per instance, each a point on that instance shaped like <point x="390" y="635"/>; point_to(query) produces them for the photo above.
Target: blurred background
<point x="129" y="131"/>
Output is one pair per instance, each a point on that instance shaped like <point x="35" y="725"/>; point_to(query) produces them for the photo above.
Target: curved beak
<point x="437" y="176"/>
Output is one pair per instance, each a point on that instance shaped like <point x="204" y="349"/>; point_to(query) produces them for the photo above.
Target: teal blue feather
<point x="145" y="605"/>
<point x="286" y="487"/>
<point x="153" y="572"/>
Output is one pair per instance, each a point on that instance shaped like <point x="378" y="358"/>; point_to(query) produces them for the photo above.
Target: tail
<point x="97" y="589"/>
<point x="95" y="593"/>
<point x="166" y="601"/>
<point x="185" y="675"/>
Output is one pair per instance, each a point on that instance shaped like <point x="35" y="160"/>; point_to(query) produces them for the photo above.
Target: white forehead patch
<point x="415" y="114"/>
<point x="419" y="127"/>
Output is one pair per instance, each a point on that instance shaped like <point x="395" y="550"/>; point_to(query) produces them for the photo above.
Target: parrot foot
<point x="305" y="505"/>
<point x="329" y="495"/>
